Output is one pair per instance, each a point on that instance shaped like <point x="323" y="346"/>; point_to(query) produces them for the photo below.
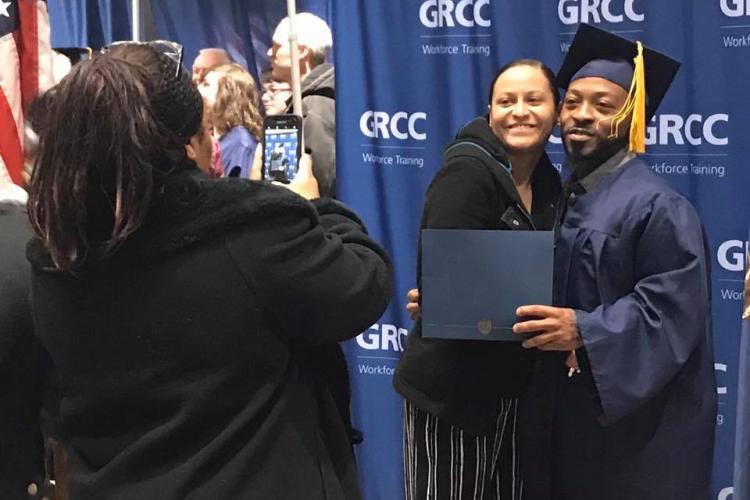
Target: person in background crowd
<point x="199" y="148"/>
<point x="22" y="362"/>
<point x="206" y="59"/>
<point x="217" y="162"/>
<point x="460" y="425"/>
<point x="318" y="90"/>
<point x="632" y="297"/>
<point x="166" y="392"/>
<point x="276" y="94"/>
<point x="232" y="97"/>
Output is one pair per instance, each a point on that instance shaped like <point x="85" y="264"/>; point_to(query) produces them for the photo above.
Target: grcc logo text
<point x="721" y="367"/>
<point x="735" y="8"/>
<point x="401" y="125"/>
<point x="593" y="11"/>
<point x="383" y="337"/>
<point x="467" y="13"/>
<point x="731" y="255"/>
<point x="695" y="128"/>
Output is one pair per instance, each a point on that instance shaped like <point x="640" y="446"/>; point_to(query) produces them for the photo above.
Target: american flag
<point x="25" y="70"/>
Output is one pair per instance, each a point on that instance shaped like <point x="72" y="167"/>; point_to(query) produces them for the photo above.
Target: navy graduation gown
<point x="638" y="422"/>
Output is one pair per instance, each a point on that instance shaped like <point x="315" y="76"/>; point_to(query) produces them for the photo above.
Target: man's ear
<point x="190" y="150"/>
<point x="304" y="52"/>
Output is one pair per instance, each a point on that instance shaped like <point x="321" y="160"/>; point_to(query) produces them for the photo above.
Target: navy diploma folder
<point x="474" y="280"/>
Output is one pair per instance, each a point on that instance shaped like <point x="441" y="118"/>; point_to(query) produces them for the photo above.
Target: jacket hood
<point x="320" y="81"/>
<point x="478" y="132"/>
<point x="475" y="140"/>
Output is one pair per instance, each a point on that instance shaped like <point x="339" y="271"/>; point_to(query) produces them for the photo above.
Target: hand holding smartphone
<point x="305" y="184"/>
<point x="281" y="147"/>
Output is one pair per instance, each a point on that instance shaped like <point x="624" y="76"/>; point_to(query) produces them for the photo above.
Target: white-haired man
<point x="206" y="59"/>
<point x="318" y="90"/>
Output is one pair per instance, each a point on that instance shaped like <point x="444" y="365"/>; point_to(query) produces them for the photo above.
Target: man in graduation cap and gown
<point x="622" y="402"/>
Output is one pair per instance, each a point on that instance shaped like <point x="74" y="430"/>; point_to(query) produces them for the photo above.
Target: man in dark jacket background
<point x="318" y="90"/>
<point x="21" y="443"/>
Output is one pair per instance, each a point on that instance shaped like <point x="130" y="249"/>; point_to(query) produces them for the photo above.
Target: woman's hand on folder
<point x="554" y="328"/>
<point x="413" y="307"/>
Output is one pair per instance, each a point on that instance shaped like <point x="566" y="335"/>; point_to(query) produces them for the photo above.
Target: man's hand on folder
<point x="413" y="307"/>
<point x="571" y="363"/>
<point x="555" y="328"/>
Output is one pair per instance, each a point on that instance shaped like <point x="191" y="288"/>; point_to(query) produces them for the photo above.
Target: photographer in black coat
<point x="182" y="313"/>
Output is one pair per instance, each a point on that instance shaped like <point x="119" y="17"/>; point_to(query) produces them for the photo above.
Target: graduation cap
<point x="644" y="73"/>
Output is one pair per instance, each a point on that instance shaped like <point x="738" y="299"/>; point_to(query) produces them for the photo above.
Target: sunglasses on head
<point x="172" y="50"/>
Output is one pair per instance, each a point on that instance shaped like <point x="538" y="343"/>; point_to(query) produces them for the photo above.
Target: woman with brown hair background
<point x="232" y="97"/>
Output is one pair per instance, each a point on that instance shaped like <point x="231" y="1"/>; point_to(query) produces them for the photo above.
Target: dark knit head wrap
<point x="176" y="102"/>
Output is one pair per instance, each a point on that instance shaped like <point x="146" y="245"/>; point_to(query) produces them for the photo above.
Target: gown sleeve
<point x="637" y="344"/>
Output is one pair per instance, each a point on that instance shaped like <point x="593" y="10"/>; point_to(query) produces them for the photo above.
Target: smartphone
<point x="281" y="147"/>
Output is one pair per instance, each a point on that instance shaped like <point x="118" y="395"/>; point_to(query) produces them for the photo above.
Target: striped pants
<point x="441" y="462"/>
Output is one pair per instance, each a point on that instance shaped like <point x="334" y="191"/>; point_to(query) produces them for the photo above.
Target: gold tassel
<point x="634" y="106"/>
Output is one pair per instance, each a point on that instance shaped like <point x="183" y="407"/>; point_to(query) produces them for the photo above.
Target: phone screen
<point x="281" y="149"/>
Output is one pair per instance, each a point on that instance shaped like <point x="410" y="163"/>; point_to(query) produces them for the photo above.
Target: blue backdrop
<point x="410" y="73"/>
<point x="88" y="23"/>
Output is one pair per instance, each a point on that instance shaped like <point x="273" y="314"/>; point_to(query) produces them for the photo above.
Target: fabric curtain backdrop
<point x="89" y="23"/>
<point x="411" y="73"/>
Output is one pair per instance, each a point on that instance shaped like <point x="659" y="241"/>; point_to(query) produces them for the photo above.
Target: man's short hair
<point x="217" y="53"/>
<point x="312" y="32"/>
<point x="212" y="56"/>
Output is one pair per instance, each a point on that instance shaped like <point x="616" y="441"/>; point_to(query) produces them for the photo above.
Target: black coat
<point x="319" y="124"/>
<point x="187" y="359"/>
<point x="462" y="381"/>
<point x="22" y="363"/>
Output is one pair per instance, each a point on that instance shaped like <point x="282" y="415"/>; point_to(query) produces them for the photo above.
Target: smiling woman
<point x="523" y="109"/>
<point x="463" y="396"/>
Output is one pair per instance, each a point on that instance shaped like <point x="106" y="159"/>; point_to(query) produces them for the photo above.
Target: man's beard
<point x="585" y="163"/>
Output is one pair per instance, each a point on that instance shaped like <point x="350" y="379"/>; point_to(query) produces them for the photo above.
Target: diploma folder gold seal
<point x="474" y="280"/>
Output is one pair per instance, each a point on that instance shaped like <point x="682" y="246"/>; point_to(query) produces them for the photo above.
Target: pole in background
<point x="136" y="20"/>
<point x="294" y="53"/>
